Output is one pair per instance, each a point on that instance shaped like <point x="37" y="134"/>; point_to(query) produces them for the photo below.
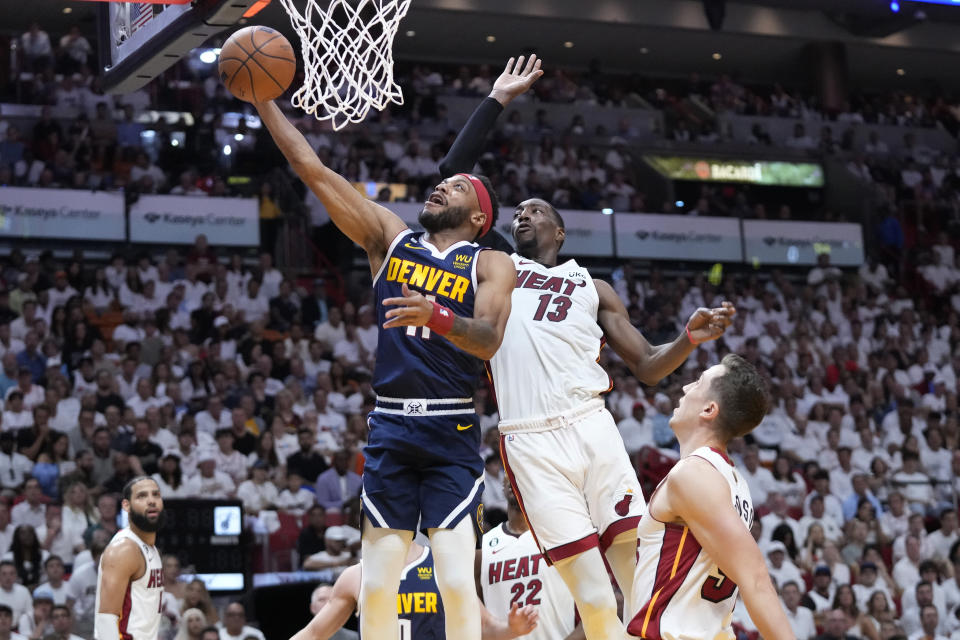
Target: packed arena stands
<point x="224" y="375"/>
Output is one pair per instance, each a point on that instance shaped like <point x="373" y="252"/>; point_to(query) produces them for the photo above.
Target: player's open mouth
<point x="437" y="198"/>
<point x="523" y="226"/>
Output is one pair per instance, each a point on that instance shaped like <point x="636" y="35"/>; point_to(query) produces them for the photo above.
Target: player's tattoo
<point x="472" y="335"/>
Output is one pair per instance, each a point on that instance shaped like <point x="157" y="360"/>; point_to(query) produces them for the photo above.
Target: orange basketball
<point x="257" y="64"/>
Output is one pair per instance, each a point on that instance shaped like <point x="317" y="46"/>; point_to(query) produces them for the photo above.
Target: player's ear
<point x="561" y="235"/>
<point x="710" y="411"/>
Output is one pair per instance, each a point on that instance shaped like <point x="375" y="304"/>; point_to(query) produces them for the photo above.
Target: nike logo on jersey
<point x="526" y="262"/>
<point x="460" y="427"/>
<point x="413" y="246"/>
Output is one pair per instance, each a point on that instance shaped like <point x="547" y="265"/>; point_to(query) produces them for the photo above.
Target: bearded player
<point x="451" y="301"/>
<point x="560" y="446"/>
<point x="695" y="548"/>
<point x="130" y="579"/>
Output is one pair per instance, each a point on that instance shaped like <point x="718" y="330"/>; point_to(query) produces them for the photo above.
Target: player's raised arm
<point x="367" y="223"/>
<point x="337" y="610"/>
<point x="697" y="494"/>
<point x="480" y="335"/>
<point x="465" y="151"/>
<point x="120" y="564"/>
<point x="650" y="363"/>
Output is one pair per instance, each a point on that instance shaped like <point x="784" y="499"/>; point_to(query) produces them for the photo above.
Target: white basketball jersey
<point x="512" y="570"/>
<point x="140" y="616"/>
<point x="547" y="363"/>
<point x="679" y="592"/>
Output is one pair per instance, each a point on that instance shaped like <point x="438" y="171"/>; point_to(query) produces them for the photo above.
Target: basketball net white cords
<point x="347" y="53"/>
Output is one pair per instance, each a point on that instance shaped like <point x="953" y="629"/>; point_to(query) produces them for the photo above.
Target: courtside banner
<point x="786" y="242"/>
<point x="678" y="237"/>
<point x="180" y="219"/>
<point x="61" y="213"/>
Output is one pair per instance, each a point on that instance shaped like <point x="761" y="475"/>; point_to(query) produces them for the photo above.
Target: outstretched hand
<point x="522" y="621"/>
<point x="516" y="79"/>
<point x="413" y="310"/>
<point x="709" y="324"/>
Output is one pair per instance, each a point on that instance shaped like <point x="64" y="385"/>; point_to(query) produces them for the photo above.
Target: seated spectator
<point x="929" y="625"/>
<point x="295" y="499"/>
<point x="307" y="462"/>
<point x="258" y="493"/>
<point x="334" y="555"/>
<point x="208" y="482"/>
<point x="13" y="595"/>
<point x="869" y="585"/>
<point x="800" y="618"/>
<point x="781" y="568"/>
<point x="38" y="623"/>
<point x="235" y="625"/>
<point x="311" y="538"/>
<point x="337" y="485"/>
<point x="62" y="619"/>
<point x="54" y="570"/>
<point x="32" y="509"/>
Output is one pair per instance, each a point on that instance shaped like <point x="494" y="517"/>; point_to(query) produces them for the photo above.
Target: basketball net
<point x="347" y="53"/>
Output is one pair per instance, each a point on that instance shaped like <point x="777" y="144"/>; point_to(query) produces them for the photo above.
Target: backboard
<point x="139" y="40"/>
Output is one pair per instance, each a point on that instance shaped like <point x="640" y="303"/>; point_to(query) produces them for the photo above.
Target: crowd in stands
<point x="112" y="144"/>
<point x="222" y="378"/>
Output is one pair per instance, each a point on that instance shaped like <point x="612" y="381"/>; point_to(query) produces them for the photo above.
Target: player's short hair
<point x="4" y="609"/>
<point x="558" y="219"/>
<point x="128" y="488"/>
<point x="742" y="396"/>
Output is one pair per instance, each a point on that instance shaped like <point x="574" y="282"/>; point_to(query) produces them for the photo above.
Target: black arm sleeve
<point x="466" y="149"/>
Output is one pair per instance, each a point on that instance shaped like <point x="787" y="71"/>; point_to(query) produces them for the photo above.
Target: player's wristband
<point x="441" y="320"/>
<point x="106" y="626"/>
<point x="690" y="336"/>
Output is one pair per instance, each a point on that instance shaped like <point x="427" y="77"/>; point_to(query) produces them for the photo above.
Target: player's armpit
<point x="337" y="610"/>
<point x="696" y="494"/>
<point x="481" y="335"/>
<point x="121" y="562"/>
<point x="367" y="223"/>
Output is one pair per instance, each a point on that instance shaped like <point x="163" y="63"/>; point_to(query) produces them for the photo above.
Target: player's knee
<point x="375" y="590"/>
<point x="594" y="600"/>
<point x="456" y="587"/>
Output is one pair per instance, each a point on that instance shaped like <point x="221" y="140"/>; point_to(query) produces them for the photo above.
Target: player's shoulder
<point x="492" y="263"/>
<point x="694" y="473"/>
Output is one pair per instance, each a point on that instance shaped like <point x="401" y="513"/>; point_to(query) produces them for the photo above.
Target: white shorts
<point x="573" y="479"/>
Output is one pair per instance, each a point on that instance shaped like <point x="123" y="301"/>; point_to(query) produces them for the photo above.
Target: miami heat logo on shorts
<point x="622" y="507"/>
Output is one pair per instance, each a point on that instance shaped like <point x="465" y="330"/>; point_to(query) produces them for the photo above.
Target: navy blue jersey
<point x="418" y="601"/>
<point x="414" y="362"/>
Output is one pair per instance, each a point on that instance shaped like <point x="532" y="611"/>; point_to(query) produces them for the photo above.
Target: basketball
<point x="257" y="64"/>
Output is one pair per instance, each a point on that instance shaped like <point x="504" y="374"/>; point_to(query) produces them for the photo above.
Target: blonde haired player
<point x="695" y="548"/>
<point x="130" y="579"/>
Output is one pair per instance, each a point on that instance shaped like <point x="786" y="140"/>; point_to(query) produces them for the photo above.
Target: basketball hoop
<point x="347" y="54"/>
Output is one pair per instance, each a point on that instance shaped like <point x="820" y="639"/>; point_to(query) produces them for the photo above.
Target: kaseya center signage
<point x="180" y="219"/>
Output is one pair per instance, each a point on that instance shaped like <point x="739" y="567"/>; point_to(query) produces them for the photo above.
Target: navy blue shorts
<point x="422" y="470"/>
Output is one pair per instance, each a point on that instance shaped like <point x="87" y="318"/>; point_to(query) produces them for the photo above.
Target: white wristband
<point x="106" y="626"/>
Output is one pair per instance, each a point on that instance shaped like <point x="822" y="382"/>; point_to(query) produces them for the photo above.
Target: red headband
<point x="483" y="196"/>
